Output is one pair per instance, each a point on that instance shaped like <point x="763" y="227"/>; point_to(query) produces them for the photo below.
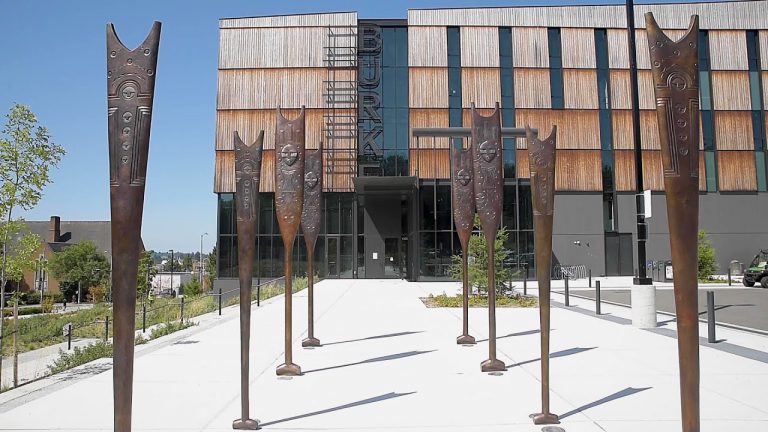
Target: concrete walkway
<point x="388" y="363"/>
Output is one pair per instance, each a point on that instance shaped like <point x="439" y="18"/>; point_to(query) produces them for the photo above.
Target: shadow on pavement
<point x="629" y="391"/>
<point x="373" y="360"/>
<point x="563" y="353"/>
<point x="379" y="398"/>
<point x="522" y="333"/>
<point x="375" y="337"/>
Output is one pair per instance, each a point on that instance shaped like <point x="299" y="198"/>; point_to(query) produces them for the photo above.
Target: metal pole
<point x="567" y="292"/>
<point x="525" y="279"/>
<point x="143" y="317"/>
<point x="79" y="294"/>
<point x="69" y="337"/>
<point x="711" y="317"/>
<point x="106" y="328"/>
<point x="15" y="342"/>
<point x="642" y="278"/>
<point x="729" y="276"/>
<point x="219" y="301"/>
<point x="172" y="291"/>
<point x="589" y="271"/>
<point x="181" y="319"/>
<point x="598" y="300"/>
<point x="258" y="292"/>
<point x="202" y="285"/>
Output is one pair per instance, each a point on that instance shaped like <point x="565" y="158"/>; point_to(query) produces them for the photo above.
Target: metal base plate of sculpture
<point x="541" y="158"/>
<point x="247" y="182"/>
<point x="289" y="200"/>
<point x="487" y="175"/>
<point x="676" y="86"/>
<point x="462" y="194"/>
<point x="310" y="226"/>
<point x="130" y="94"/>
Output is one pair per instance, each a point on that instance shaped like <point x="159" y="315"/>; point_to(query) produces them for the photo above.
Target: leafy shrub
<point x="80" y="356"/>
<point x="23" y="311"/>
<point x="477" y="266"/>
<point x="168" y="328"/>
<point x="47" y="304"/>
<point x="97" y="294"/>
<point x="707" y="258"/>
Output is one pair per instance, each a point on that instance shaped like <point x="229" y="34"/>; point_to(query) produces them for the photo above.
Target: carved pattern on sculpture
<point x="542" y="166"/>
<point x="130" y="88"/>
<point x="313" y="189"/>
<point x="247" y="177"/>
<point x="677" y="95"/>
<point x="487" y="166"/>
<point x="462" y="192"/>
<point x="289" y="172"/>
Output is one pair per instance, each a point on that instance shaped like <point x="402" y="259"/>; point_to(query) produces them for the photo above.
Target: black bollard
<point x="729" y="276"/>
<point x="69" y="337"/>
<point x="219" y="301"/>
<point x="567" y="292"/>
<point x="181" y="318"/>
<point x="711" y="317"/>
<point x="597" y="298"/>
<point x="106" y="328"/>
<point x="525" y="280"/>
<point x="589" y="271"/>
<point x="258" y="295"/>
<point x="143" y="317"/>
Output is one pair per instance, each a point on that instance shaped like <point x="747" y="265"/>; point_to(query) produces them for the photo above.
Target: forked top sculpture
<point x="289" y="198"/>
<point x="247" y="182"/>
<point x="541" y="160"/>
<point x="310" y="227"/>
<point x="676" y="85"/>
<point x="487" y="166"/>
<point x="130" y="94"/>
<point x="462" y="195"/>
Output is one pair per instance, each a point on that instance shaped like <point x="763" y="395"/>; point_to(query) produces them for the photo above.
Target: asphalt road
<point x="746" y="307"/>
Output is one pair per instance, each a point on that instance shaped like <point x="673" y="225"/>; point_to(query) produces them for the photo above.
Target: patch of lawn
<point x="444" y="300"/>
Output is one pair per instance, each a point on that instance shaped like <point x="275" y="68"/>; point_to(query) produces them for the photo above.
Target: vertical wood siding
<point x="522" y="167"/>
<point x="249" y="122"/>
<point x="733" y="130"/>
<point x="427" y="46"/>
<point x="576" y="129"/>
<point x="580" y="88"/>
<point x="530" y="47"/>
<point x="621" y="96"/>
<point x="622" y="130"/>
<point x="479" y="46"/>
<point x="224" y="172"/>
<point x="419" y="118"/>
<point x="653" y="170"/>
<point x="481" y="86"/>
<point x="736" y="171"/>
<point x="430" y="163"/>
<point x="282" y="47"/>
<point x="268" y="88"/>
<point x="730" y="90"/>
<point x="578" y="170"/>
<point x="618" y="58"/>
<point x="532" y="88"/>
<point x="764" y="49"/>
<point x="428" y="87"/>
<point x="728" y="50"/>
<point x="578" y="48"/>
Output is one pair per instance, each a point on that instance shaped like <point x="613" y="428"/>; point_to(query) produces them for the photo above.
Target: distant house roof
<point x="72" y="232"/>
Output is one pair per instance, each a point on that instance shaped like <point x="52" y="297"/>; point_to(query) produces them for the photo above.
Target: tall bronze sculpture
<point x="130" y="93"/>
<point x="676" y="85"/>
<point x="247" y="181"/>
<point x="289" y="198"/>
<point x="462" y="194"/>
<point x="487" y="164"/>
<point x="541" y="159"/>
<point x="310" y="226"/>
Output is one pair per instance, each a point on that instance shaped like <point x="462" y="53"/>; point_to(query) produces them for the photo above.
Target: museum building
<point x="367" y="83"/>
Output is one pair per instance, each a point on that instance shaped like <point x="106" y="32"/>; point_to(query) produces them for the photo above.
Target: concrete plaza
<point x="389" y="363"/>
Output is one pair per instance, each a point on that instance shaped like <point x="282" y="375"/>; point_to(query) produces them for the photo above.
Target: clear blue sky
<point x="53" y="59"/>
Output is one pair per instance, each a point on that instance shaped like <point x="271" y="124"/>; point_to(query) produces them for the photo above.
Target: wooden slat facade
<point x="730" y="90"/>
<point x="268" y="88"/>
<point x="302" y="20"/>
<point x="621" y="96"/>
<point x="728" y="50"/>
<point x="578" y="48"/>
<point x="428" y="117"/>
<point x="653" y="170"/>
<point x="430" y="163"/>
<point x="576" y="129"/>
<point x="481" y="86"/>
<point x="480" y="47"/>
<point x="624" y="170"/>
<point x="736" y="171"/>
<point x="248" y="123"/>
<point x="733" y="130"/>
<point x="428" y="87"/>
<point x="622" y="130"/>
<point x="765" y="89"/>
<point x="224" y="172"/>
<point x="522" y="167"/>
<point x="580" y="88"/>
<point x="466" y="115"/>
<point x="578" y="170"/>
<point x="530" y="47"/>
<point x="427" y="46"/>
<point x="764" y="49"/>
<point x="281" y="47"/>
<point x="532" y="88"/>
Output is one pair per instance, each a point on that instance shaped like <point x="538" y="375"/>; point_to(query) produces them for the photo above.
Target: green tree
<point x="707" y="258"/>
<point x="192" y="288"/>
<point x="81" y="262"/>
<point x="477" y="266"/>
<point x="147" y="272"/>
<point x="186" y="263"/>
<point x="20" y="251"/>
<point x="26" y="157"/>
<point x="212" y="267"/>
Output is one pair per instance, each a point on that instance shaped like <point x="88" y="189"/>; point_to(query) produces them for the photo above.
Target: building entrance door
<point x="394" y="258"/>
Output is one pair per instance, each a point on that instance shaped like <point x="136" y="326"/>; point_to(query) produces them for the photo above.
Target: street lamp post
<point x="172" y="272"/>
<point x="109" y="292"/>
<point x="202" y="286"/>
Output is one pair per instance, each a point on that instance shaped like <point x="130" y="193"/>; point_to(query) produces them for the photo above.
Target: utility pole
<point x="172" y="291"/>
<point x="642" y="227"/>
<point x="202" y="286"/>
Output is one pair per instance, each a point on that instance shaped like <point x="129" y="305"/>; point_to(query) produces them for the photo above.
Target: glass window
<point x="227" y="256"/>
<point x="526" y="207"/>
<point x="427" y="195"/>
<point x="606" y="129"/>
<point x="758" y="130"/>
<point x="227" y="213"/>
<point x="454" y="43"/>
<point x="608" y="217"/>
<point x="443" y="207"/>
<point x="264" y="257"/>
<point x="711" y="171"/>
<point x="346" y="256"/>
<point x="347" y="201"/>
<point x="427" y="253"/>
<point x="509" y="158"/>
<point x="704" y="50"/>
<point x="760" y="164"/>
<point x="556" y="83"/>
<point x="755" y="91"/>
<point x="509" y="214"/>
<point x="607" y="157"/>
<point x="708" y="127"/>
<point x="332" y="213"/>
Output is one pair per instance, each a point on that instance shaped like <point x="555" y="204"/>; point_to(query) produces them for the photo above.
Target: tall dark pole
<point x="642" y="233"/>
<point x="171" y="272"/>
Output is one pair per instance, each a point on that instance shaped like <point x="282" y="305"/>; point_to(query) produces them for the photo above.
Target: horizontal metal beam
<point x="458" y="132"/>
